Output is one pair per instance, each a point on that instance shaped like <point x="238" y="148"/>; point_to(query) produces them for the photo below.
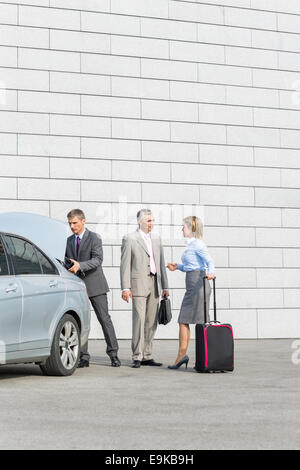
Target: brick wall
<point x="163" y="102"/>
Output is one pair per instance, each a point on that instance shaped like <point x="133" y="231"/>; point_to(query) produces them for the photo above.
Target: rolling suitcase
<point x="214" y="342"/>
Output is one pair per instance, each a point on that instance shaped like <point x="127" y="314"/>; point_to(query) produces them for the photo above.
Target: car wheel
<point x="65" y="350"/>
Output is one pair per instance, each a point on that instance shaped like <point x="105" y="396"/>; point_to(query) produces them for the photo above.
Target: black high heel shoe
<point x="184" y="360"/>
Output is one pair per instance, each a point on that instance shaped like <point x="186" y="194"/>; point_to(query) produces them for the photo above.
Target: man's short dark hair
<point x="76" y="213"/>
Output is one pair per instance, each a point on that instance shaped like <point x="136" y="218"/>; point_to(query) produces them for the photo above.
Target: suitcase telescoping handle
<point x="205" y="303"/>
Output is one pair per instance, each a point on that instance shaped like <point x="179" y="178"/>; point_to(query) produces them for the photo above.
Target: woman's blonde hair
<point x="195" y="225"/>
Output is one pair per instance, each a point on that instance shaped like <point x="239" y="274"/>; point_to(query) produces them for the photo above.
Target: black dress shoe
<point x="136" y="364"/>
<point x="83" y="363"/>
<point x="115" y="361"/>
<point x="151" y="362"/>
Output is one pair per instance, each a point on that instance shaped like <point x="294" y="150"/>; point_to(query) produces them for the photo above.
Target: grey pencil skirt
<point x="192" y="307"/>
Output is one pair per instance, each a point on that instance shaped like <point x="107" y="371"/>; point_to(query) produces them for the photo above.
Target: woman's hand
<point x="210" y="276"/>
<point x="172" y="266"/>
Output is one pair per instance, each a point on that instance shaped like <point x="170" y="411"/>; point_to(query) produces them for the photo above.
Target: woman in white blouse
<point x="197" y="264"/>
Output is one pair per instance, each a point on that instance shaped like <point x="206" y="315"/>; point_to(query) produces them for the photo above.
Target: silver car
<point x="44" y="309"/>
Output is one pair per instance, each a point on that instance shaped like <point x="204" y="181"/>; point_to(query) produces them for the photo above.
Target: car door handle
<point x="53" y="284"/>
<point x="11" y="288"/>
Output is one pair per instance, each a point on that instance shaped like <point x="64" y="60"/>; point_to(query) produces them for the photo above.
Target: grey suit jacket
<point x="135" y="264"/>
<point x="90" y="258"/>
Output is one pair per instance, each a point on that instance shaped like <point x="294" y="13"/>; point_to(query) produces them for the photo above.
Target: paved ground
<point x="255" y="407"/>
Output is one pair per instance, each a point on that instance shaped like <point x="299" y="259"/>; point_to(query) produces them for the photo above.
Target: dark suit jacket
<point x="90" y="258"/>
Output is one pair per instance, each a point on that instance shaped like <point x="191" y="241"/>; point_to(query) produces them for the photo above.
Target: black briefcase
<point x="214" y="342"/>
<point x="164" y="312"/>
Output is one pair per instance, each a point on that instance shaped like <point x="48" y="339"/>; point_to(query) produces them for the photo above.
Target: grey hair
<point x="76" y="213"/>
<point x="141" y="214"/>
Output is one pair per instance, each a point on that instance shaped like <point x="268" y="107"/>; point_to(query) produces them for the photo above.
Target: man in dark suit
<point x="84" y="248"/>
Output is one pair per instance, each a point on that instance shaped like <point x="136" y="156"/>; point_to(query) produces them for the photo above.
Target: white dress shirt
<point x="147" y="239"/>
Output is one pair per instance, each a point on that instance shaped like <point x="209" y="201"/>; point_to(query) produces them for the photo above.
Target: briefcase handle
<point x="205" y="303"/>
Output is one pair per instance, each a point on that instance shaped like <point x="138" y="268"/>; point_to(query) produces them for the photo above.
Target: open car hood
<point x="48" y="234"/>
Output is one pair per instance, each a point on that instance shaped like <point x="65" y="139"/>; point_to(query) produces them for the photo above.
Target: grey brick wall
<point x="163" y="103"/>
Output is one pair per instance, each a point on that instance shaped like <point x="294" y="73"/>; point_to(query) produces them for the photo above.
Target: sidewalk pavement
<point x="101" y="407"/>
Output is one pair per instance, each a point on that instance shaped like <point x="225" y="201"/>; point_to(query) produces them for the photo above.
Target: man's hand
<point x="126" y="295"/>
<point x="210" y="276"/>
<point x="75" y="268"/>
<point x="165" y="293"/>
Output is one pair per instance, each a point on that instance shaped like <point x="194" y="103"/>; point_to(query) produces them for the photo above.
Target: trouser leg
<point x="84" y="354"/>
<point x="100" y="306"/>
<point x="138" y="322"/>
<point x="150" y="319"/>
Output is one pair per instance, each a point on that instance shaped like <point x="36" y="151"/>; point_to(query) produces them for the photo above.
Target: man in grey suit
<point x="143" y="278"/>
<point x="84" y="248"/>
